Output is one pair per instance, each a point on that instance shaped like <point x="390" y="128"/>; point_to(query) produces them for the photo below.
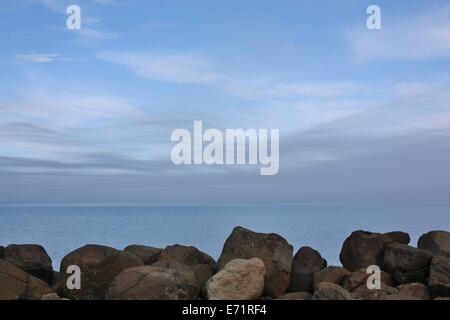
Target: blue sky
<point x="86" y="115"/>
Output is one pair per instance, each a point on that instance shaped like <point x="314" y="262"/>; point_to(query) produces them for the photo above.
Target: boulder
<point x="202" y="264"/>
<point x="406" y="264"/>
<point x="364" y="293"/>
<point x="439" y="279"/>
<point x="331" y="291"/>
<point x="438" y="242"/>
<point x="160" y="281"/>
<point x="442" y="298"/>
<point x="296" y="296"/>
<point x="148" y="255"/>
<point x="52" y="296"/>
<point x="99" y="265"/>
<point x="272" y="249"/>
<point x="399" y="296"/>
<point x="305" y="264"/>
<point x="32" y="259"/>
<point x="330" y="274"/>
<point x="415" y="290"/>
<point x="396" y="237"/>
<point x="2" y="252"/>
<point x="16" y="284"/>
<point x="359" y="278"/>
<point x="239" y="280"/>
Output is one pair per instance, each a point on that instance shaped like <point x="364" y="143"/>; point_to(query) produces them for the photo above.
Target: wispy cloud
<point x="39" y="58"/>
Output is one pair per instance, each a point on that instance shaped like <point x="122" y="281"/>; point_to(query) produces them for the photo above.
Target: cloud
<point x="39" y="58"/>
<point x="422" y="36"/>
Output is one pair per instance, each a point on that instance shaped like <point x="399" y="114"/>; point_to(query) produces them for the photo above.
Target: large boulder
<point x="331" y="291"/>
<point x="201" y="263"/>
<point x="32" y="259"/>
<point x="239" y="280"/>
<point x="439" y="279"/>
<point x="161" y="281"/>
<point x="414" y="290"/>
<point x="438" y="242"/>
<point x="148" y="255"/>
<point x="305" y="264"/>
<point x="406" y="264"/>
<point x="16" y="284"/>
<point x="272" y="249"/>
<point x="396" y="237"/>
<point x="330" y="274"/>
<point x="364" y="293"/>
<point x="99" y="265"/>
<point x="360" y="277"/>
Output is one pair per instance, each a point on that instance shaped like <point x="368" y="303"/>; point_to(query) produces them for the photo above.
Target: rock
<point x="55" y="281"/>
<point x="439" y="279"/>
<point x="296" y="296"/>
<point x="438" y="242"/>
<point x="2" y="252"/>
<point x="406" y="264"/>
<point x="31" y="258"/>
<point x="401" y="297"/>
<point x="272" y="249"/>
<point x="442" y="298"/>
<point x="306" y="262"/>
<point x="362" y="249"/>
<point x="99" y="266"/>
<point x="331" y="291"/>
<point x="239" y="280"/>
<point x="330" y="274"/>
<point x="148" y="255"/>
<point x="364" y="293"/>
<point x="52" y="296"/>
<point x="202" y="264"/>
<point x="415" y="290"/>
<point x="396" y="237"/>
<point x="16" y="284"/>
<point x="160" y="281"/>
<point x="359" y="278"/>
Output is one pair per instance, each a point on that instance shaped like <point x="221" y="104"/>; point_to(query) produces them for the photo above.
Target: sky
<point x="86" y="115"/>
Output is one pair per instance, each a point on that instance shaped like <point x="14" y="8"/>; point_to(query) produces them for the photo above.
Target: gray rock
<point x="331" y="291"/>
<point x="306" y="263"/>
<point x="364" y="293"/>
<point x="406" y="264"/>
<point x="272" y="249"/>
<point x="148" y="255"/>
<point x="439" y="279"/>
<point x="239" y="280"/>
<point x="438" y="242"/>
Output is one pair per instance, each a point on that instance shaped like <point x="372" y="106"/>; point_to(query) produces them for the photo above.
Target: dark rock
<point x="239" y="280"/>
<point x="32" y="259"/>
<point x="396" y="237"/>
<point x="99" y="266"/>
<point x="52" y="297"/>
<point x="362" y="249"/>
<point x="438" y="242"/>
<point x="331" y="291"/>
<point x="406" y="264"/>
<point x="439" y="280"/>
<point x="364" y="293"/>
<point x="305" y="264"/>
<point x="330" y="274"/>
<point x="16" y="284"/>
<point x="296" y="296"/>
<point x="442" y="298"/>
<point x="160" y="281"/>
<point x="415" y="290"/>
<point x="55" y="281"/>
<point x="402" y="297"/>
<point x="202" y="264"/>
<point x="2" y="252"/>
<point x="359" y="278"/>
<point x="148" y="255"/>
<point x="272" y="249"/>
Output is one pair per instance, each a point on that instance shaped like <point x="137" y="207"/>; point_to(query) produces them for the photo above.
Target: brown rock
<point x="306" y="262"/>
<point x="16" y="284"/>
<point x="330" y="274"/>
<point x="2" y="252"/>
<point x="239" y="280"/>
<point x="160" y="281"/>
<point x="52" y="296"/>
<point x="331" y="291"/>
<point x="438" y="242"/>
<point x="272" y="249"/>
<point x="400" y="296"/>
<point x="296" y="296"/>
<point x="364" y="293"/>
<point x="148" y="255"/>
<point x="99" y="266"/>
<point x="442" y="298"/>
<point x="32" y="259"/>
<point x="439" y="279"/>
<point x="406" y="264"/>
<point x="359" y="278"/>
<point x="415" y="290"/>
<point x="396" y="237"/>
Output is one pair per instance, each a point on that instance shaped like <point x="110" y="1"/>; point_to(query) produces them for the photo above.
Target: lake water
<point x="323" y="227"/>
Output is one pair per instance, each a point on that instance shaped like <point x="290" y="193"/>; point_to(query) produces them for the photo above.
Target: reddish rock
<point x="306" y="263"/>
<point x="438" y="242"/>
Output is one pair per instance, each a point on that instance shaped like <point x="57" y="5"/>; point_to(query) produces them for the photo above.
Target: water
<point x="323" y="227"/>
